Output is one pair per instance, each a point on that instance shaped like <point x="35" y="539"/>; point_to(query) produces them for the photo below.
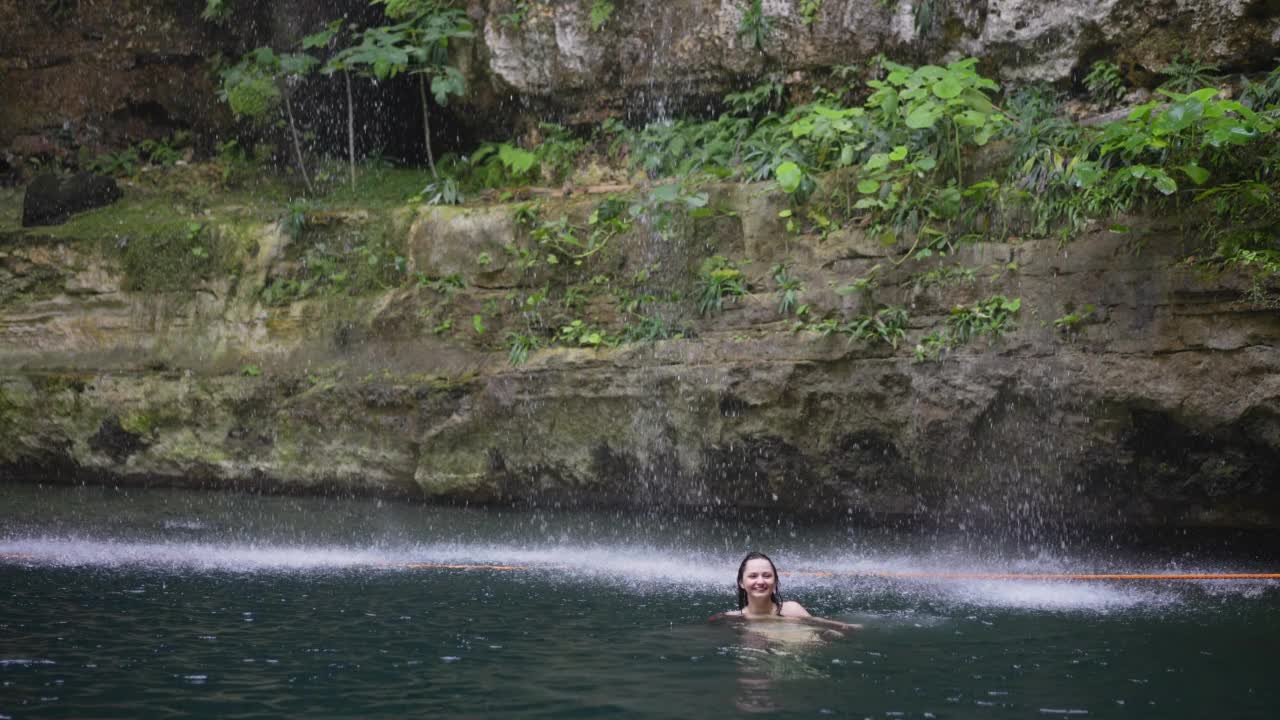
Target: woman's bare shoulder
<point x="791" y="608"/>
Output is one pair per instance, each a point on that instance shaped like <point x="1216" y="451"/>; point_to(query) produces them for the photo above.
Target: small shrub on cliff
<point x="1186" y="74"/>
<point x="1105" y="84"/>
<point x="992" y="318"/>
<point x="754" y="26"/>
<point x="719" y="279"/>
<point x="601" y="11"/>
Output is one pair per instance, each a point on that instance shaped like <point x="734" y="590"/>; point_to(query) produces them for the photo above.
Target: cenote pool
<point x="169" y="603"/>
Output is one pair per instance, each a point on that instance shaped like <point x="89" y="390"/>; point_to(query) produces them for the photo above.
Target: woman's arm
<point x="794" y="609"/>
<point x="832" y="624"/>
<point x="728" y="614"/>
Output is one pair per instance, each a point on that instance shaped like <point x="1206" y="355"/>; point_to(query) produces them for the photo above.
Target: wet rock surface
<point x="1162" y="407"/>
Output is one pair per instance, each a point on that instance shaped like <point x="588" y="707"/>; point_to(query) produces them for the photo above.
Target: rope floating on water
<point x="1042" y="576"/>
<point x="852" y="573"/>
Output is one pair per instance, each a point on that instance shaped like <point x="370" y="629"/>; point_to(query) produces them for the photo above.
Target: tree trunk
<point x="351" y="130"/>
<point x="426" y="124"/>
<point x="297" y="145"/>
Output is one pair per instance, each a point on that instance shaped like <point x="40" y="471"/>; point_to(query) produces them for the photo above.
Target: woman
<point x="758" y="597"/>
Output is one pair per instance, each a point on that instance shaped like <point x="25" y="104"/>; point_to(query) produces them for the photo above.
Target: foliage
<point x="519" y="346"/>
<point x="754" y="26"/>
<point x="1185" y="74"/>
<point x="444" y="191"/>
<point x="809" y="10"/>
<point x="1105" y="83"/>
<point x="992" y="318"/>
<point x="601" y="11"/>
<point x="887" y="325"/>
<point x="923" y="14"/>
<point x="340" y="260"/>
<point x="757" y="100"/>
<point x="789" y="288"/>
<point x="1263" y="95"/>
<point x="252" y="86"/>
<point x="170" y="256"/>
<point x="216" y="11"/>
<point x="945" y="276"/>
<point x="561" y="239"/>
<point x="497" y="165"/>
<point x="579" y="333"/>
<point x="294" y="221"/>
<point x="517" y="16"/>
<point x="1070" y="321"/>
<point x="719" y="279"/>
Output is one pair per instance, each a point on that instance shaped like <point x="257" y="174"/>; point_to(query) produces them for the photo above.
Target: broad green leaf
<point x="924" y="116"/>
<point x="1197" y="174"/>
<point x="789" y="177"/>
<point x="947" y="88"/>
<point x="868" y="186"/>
<point x="665" y="193"/>
<point x="878" y="161"/>
<point x="898" y="153"/>
<point x="1166" y="184"/>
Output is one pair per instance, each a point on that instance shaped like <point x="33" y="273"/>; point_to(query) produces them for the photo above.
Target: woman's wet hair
<point x="742" y="594"/>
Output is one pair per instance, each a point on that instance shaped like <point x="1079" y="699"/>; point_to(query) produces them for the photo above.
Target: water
<point x="165" y="603"/>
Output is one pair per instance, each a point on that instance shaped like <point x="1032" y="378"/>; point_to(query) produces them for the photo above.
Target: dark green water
<point x="165" y="604"/>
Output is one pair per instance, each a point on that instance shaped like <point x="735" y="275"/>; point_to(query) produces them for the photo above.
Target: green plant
<point x="756" y="101"/>
<point x="1105" y="83"/>
<point x="216" y="11"/>
<point x="294" y="220"/>
<point x="887" y="325"/>
<point x="601" y="11"/>
<point x="519" y="13"/>
<point x="789" y="288"/>
<point x="754" y="25"/>
<point x="719" y="279"/>
<point x="417" y="45"/>
<point x="260" y="82"/>
<point x="945" y="276"/>
<point x="579" y="333"/>
<point x="991" y="318"/>
<point x="1187" y="74"/>
<point x="1071" y="321"/>
<point x="251" y="371"/>
<point x="519" y="346"/>
<point x="651" y="328"/>
<point x="809" y="10"/>
<point x="923" y="13"/>
<point x="123" y="163"/>
<point x="1258" y="96"/>
<point x="443" y="192"/>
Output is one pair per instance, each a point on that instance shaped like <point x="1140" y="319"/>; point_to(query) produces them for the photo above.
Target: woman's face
<point x="758" y="578"/>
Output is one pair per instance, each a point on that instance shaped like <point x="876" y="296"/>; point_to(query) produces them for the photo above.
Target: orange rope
<point x="1047" y="576"/>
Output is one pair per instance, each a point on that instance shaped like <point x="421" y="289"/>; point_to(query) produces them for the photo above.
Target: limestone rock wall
<point x="1163" y="407"/>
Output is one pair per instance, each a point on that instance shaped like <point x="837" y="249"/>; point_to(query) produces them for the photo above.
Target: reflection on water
<point x="768" y="652"/>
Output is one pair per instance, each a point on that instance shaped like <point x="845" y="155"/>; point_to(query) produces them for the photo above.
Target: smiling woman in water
<point x="759" y="599"/>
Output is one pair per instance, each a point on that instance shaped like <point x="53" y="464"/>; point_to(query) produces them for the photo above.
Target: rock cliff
<point x="1161" y="405"/>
